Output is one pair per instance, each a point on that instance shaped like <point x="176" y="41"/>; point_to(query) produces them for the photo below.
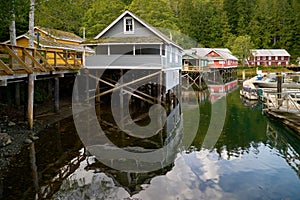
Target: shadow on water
<point x="254" y="158"/>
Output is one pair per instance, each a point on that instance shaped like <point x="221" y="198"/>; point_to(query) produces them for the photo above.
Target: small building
<point x="131" y="43"/>
<point x="54" y="40"/>
<point x="269" y="57"/>
<point x="192" y="61"/>
<point x="219" y="58"/>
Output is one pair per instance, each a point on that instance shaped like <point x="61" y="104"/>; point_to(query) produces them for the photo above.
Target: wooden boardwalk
<point x="21" y="64"/>
<point x="16" y="60"/>
<point x="284" y="107"/>
<point x="292" y="120"/>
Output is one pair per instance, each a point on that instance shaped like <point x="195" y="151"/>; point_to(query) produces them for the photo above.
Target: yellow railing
<point x="22" y="60"/>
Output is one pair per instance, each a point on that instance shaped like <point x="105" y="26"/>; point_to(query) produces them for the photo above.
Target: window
<point x="128" y="25"/>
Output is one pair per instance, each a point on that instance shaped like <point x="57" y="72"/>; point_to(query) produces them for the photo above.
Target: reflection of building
<point x="269" y="57"/>
<point x="141" y="68"/>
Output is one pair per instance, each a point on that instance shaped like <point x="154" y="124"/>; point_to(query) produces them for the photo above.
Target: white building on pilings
<point x="139" y="62"/>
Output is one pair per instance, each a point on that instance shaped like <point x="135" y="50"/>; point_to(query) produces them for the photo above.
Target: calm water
<point x="253" y="158"/>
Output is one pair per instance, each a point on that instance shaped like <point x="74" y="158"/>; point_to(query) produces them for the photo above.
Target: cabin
<point x="131" y="43"/>
<point x="191" y="61"/>
<point x="269" y="57"/>
<point x="54" y="40"/>
<point x="139" y="67"/>
<point x="218" y="58"/>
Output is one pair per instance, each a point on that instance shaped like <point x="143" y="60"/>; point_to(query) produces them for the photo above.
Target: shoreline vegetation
<point x="251" y="71"/>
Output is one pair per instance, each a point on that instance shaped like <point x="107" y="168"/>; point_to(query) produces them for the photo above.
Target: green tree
<point x="21" y="9"/>
<point x="63" y="15"/>
<point x="158" y="13"/>
<point x="241" y="47"/>
<point x="100" y="15"/>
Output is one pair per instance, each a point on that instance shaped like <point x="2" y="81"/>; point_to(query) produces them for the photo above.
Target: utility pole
<point x="31" y="77"/>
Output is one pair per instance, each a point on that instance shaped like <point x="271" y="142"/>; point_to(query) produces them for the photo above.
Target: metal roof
<point x="269" y="52"/>
<point x="224" y="53"/>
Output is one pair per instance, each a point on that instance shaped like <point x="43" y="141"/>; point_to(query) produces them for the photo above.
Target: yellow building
<point x="59" y="46"/>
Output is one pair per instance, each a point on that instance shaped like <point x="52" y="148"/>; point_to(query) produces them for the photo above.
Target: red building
<point x="220" y="58"/>
<point x="269" y="57"/>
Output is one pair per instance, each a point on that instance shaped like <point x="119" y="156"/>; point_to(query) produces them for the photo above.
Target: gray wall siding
<point x="123" y="60"/>
<point x="118" y="30"/>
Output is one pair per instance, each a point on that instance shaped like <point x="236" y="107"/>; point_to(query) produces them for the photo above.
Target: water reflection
<point x="254" y="158"/>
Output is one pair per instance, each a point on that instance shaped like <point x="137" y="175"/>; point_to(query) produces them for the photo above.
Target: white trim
<point x="140" y="21"/>
<point x="124" y="25"/>
<point x="103" y="44"/>
<point x="124" y="67"/>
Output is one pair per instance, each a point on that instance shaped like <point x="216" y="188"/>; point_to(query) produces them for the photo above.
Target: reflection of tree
<point x="287" y="144"/>
<point x="244" y="128"/>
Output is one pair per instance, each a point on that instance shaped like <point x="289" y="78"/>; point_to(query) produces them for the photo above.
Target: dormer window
<point x="128" y="25"/>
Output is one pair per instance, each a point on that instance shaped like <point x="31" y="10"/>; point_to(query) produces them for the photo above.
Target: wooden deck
<point x="21" y="60"/>
<point x="284" y="107"/>
<point x="291" y="120"/>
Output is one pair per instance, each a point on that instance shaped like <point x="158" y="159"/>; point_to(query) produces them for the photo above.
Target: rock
<point x="11" y="124"/>
<point x="33" y="138"/>
<point x="5" y="139"/>
<point x="28" y="141"/>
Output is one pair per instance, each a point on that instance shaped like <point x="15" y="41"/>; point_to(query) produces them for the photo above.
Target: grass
<point x="251" y="71"/>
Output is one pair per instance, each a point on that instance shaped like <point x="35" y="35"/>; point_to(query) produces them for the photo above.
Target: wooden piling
<point x="30" y="100"/>
<point x="56" y="94"/>
<point x="17" y="94"/>
<point x="279" y="86"/>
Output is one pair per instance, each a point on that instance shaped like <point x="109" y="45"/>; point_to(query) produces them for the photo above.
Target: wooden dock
<point x="291" y="120"/>
<point x="21" y="64"/>
<point x="284" y="107"/>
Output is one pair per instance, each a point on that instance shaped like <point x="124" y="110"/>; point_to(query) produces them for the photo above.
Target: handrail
<point x="275" y="100"/>
<point x="25" y="60"/>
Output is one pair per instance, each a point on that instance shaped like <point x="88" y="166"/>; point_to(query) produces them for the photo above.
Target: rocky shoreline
<point x="14" y="133"/>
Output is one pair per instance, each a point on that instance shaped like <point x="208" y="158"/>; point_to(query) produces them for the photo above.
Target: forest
<point x="205" y="23"/>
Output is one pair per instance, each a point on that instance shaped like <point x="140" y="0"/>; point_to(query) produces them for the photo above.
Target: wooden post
<point x="121" y="99"/>
<point x="279" y="87"/>
<point x="87" y="85"/>
<point x="244" y="74"/>
<point x="98" y="97"/>
<point x="56" y="94"/>
<point x="30" y="100"/>
<point x="17" y="94"/>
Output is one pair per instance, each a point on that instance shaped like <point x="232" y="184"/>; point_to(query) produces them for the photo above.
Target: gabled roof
<point x="269" y="52"/>
<point x="51" y="43"/>
<point x="58" y="34"/>
<point x="155" y="31"/>
<point x="224" y="53"/>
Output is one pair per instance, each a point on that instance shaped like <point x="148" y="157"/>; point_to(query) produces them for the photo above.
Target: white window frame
<point x="125" y="25"/>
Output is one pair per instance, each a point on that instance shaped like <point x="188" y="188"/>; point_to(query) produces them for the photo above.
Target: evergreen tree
<point x="63" y="15"/>
<point x="20" y="8"/>
<point x="157" y="13"/>
<point x="100" y="15"/>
